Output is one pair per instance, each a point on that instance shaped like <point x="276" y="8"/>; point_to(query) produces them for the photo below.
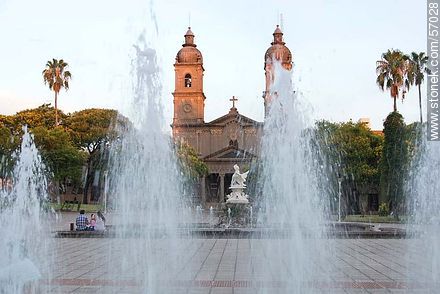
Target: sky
<point x="335" y="46"/>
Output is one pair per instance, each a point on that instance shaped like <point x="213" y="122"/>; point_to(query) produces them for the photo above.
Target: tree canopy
<point x="392" y="72"/>
<point x="416" y="74"/>
<point x="190" y="162"/>
<point x="348" y="153"/>
<point x="353" y="147"/>
<point x="41" y="116"/>
<point x="90" y="128"/>
<point x="66" y="148"/>
<point x="395" y="160"/>
<point x="58" y="152"/>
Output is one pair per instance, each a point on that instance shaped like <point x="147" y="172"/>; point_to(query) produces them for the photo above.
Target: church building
<point x="230" y="139"/>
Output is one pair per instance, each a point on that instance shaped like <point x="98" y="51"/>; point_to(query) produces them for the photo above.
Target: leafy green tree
<point x="56" y="77"/>
<point x="192" y="168"/>
<point x="413" y="139"/>
<point x="394" y="162"/>
<point x="348" y="152"/>
<point x="391" y="74"/>
<point x="9" y="142"/>
<point x="416" y="74"/>
<point x="42" y="116"/>
<point x="360" y="150"/>
<point x="8" y="121"/>
<point x="326" y="161"/>
<point x="190" y="162"/>
<point x="90" y="128"/>
<point x="93" y="130"/>
<point x="84" y="138"/>
<point x="59" y="154"/>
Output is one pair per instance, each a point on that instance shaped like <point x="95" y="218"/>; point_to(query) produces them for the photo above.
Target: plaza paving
<point x="91" y="265"/>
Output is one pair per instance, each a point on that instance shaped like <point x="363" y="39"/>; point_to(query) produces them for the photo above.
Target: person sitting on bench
<point x="81" y="221"/>
<point x="100" y="222"/>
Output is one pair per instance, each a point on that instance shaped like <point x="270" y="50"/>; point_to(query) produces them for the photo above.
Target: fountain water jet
<point x="25" y="239"/>
<point x="423" y="191"/>
<point x="291" y="200"/>
<point x="145" y="186"/>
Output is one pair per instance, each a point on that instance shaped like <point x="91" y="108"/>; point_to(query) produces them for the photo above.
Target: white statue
<point x="237" y="178"/>
<point x="237" y="186"/>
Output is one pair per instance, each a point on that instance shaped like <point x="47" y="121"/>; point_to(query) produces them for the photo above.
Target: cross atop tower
<point x="233" y="99"/>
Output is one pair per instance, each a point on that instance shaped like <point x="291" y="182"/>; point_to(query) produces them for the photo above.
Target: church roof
<point x="233" y="115"/>
<point x="223" y="120"/>
<point x="230" y="153"/>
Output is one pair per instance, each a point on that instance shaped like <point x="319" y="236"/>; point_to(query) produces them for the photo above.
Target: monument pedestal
<point x="237" y="195"/>
<point x="237" y="212"/>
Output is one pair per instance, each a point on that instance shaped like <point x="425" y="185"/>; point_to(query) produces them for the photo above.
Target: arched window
<point x="187" y="81"/>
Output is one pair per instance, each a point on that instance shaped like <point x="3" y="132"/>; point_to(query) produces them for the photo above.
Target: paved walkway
<point x="237" y="266"/>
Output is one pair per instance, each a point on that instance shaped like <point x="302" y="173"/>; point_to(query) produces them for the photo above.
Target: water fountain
<point x="145" y="186"/>
<point x="251" y="215"/>
<point x="424" y="222"/>
<point x="25" y="240"/>
<point x="212" y="217"/>
<point x="291" y="200"/>
<point x="199" y="213"/>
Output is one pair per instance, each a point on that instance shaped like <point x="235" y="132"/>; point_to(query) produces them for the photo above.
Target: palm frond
<point x="380" y="81"/>
<point x="55" y="75"/>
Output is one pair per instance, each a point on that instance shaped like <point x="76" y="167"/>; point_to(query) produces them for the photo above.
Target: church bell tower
<point x="189" y="99"/>
<point x="278" y="52"/>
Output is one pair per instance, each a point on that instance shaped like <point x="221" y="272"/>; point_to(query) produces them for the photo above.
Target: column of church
<point x="203" y="189"/>
<point x="222" y="187"/>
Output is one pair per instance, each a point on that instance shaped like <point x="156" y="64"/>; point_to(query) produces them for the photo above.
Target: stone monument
<point x="237" y="211"/>
<point x="237" y="196"/>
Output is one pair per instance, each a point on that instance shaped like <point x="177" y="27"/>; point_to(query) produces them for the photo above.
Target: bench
<point x="69" y="205"/>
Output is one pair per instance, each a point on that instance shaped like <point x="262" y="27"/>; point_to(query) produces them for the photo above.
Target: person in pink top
<point x="92" y="222"/>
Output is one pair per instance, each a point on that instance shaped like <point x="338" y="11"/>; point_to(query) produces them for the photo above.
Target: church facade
<point x="230" y="139"/>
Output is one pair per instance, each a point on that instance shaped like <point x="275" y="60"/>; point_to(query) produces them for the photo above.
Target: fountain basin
<point x="334" y="230"/>
<point x="21" y="272"/>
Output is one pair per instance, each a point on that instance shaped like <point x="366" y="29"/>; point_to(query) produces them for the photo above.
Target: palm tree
<point x="416" y="74"/>
<point x="57" y="77"/>
<point x="391" y="74"/>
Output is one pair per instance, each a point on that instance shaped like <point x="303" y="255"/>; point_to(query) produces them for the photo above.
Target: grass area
<point x="87" y="207"/>
<point x="373" y="219"/>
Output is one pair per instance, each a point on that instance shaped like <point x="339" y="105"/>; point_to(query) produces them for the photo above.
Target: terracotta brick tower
<point x="189" y="99"/>
<point x="278" y="52"/>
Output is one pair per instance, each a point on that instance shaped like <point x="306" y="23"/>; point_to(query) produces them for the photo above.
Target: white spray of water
<point x="25" y="239"/>
<point x="145" y="183"/>
<point x="424" y="193"/>
<point x="291" y="198"/>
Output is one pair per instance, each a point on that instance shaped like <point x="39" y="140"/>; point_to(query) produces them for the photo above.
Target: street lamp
<point x="339" y="198"/>
<point x="339" y="175"/>
<point x="105" y="190"/>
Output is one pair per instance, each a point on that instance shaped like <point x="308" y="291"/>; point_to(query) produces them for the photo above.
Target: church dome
<point x="278" y="50"/>
<point x="189" y="53"/>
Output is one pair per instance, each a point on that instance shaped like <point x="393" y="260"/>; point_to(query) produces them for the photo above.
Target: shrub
<point x="383" y="209"/>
